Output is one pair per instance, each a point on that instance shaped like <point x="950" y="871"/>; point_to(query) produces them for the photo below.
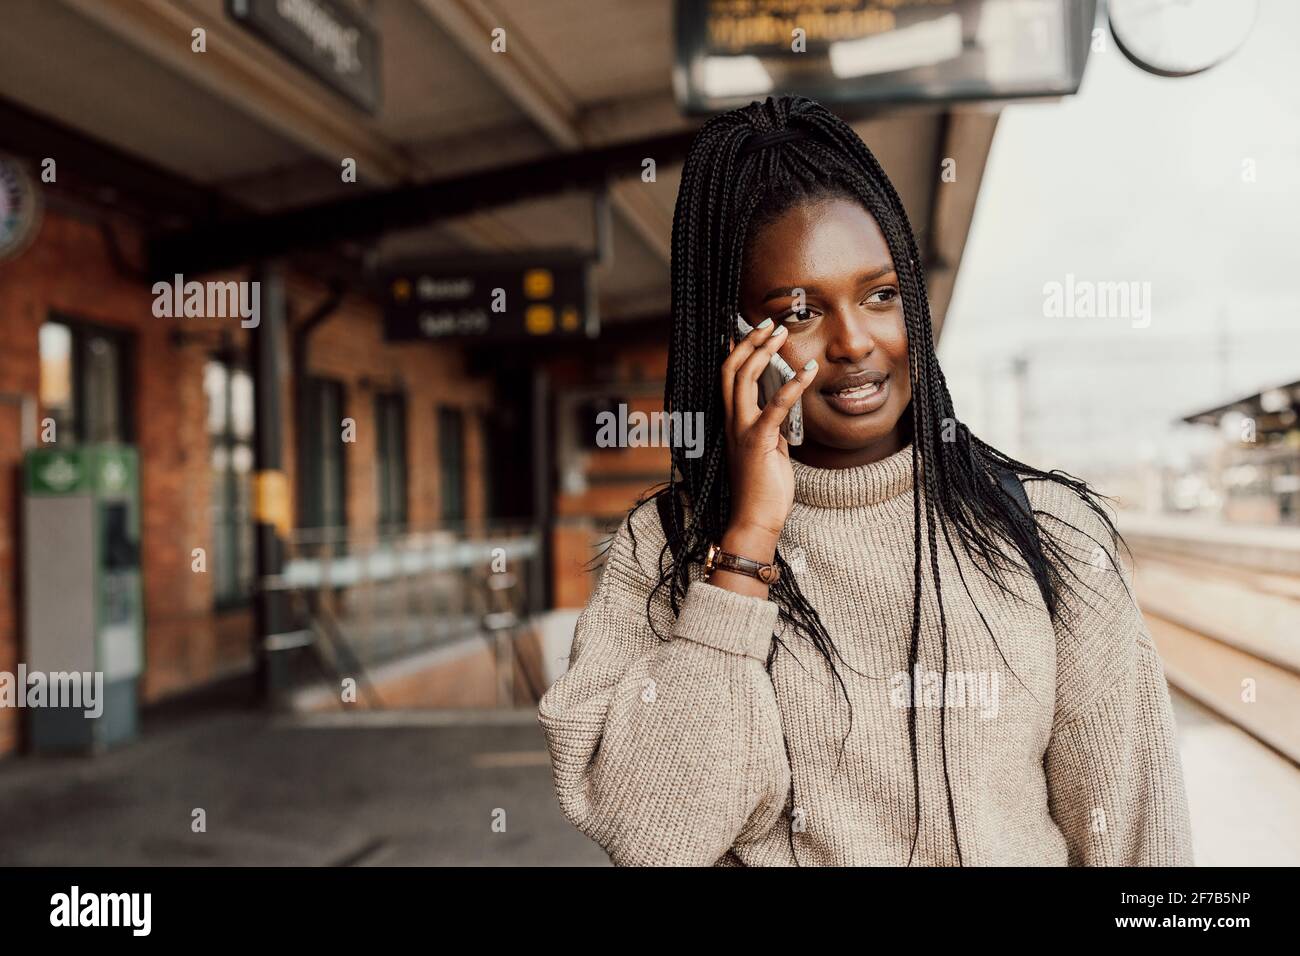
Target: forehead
<point x="828" y="238"/>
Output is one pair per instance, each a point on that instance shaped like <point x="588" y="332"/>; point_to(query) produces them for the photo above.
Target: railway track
<point x="1229" y="638"/>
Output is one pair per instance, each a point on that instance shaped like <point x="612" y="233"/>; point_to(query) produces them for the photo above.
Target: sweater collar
<point x="855" y="487"/>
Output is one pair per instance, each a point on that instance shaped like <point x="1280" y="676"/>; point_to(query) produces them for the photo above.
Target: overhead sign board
<point x="490" y="299"/>
<point x="731" y="52"/>
<point x="327" y="38"/>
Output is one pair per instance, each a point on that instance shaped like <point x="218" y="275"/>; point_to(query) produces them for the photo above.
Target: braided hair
<point x="729" y="190"/>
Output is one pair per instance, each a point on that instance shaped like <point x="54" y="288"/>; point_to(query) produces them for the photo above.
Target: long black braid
<point x="727" y="193"/>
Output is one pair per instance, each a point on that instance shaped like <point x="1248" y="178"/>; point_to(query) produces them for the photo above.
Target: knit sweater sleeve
<point x="666" y="751"/>
<point x="1114" y="776"/>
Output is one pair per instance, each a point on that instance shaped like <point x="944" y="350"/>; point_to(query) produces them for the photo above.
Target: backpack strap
<point x="1013" y="486"/>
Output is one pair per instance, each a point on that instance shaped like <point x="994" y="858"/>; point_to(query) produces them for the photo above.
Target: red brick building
<point x="257" y="156"/>
<point x="160" y="383"/>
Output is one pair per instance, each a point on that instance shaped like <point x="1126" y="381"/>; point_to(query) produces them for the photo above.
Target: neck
<point x="864" y="486"/>
<point x="824" y="456"/>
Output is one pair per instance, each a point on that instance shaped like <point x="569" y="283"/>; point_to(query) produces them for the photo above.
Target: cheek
<point x="904" y="391"/>
<point x="800" y="350"/>
<point x="895" y="345"/>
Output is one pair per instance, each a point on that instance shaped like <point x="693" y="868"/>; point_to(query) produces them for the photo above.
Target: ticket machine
<point x="83" y="607"/>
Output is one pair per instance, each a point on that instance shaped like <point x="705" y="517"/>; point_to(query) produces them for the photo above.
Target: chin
<point x="850" y="433"/>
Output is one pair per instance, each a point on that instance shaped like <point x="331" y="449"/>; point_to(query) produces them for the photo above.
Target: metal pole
<point x="271" y="516"/>
<point x="539" y="591"/>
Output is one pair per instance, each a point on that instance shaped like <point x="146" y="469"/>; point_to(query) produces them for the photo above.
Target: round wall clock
<point x="20" y="207"/>
<point x="1180" y="37"/>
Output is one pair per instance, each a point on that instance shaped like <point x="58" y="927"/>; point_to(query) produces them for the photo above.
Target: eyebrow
<point x="785" y="291"/>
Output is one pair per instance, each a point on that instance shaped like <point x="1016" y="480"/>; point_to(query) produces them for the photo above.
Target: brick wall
<point x="69" y="269"/>
<point x="349" y="347"/>
<point x="615" y="478"/>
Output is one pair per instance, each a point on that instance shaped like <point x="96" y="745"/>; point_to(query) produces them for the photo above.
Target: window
<point x="451" y="463"/>
<point x="390" y="459"/>
<point x="83" y="382"/>
<point x="229" y="389"/>
<point x="322" y="490"/>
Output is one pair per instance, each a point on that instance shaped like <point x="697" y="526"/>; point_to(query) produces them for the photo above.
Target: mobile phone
<point x="777" y="373"/>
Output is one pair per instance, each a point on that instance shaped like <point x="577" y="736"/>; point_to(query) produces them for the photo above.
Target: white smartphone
<point x="777" y="373"/>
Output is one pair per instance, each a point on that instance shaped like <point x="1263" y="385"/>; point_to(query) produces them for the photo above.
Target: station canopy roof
<point x="1274" y="409"/>
<point x="244" y="122"/>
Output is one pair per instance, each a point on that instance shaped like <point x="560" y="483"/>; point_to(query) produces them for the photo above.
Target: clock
<point x="20" y="207"/>
<point x="1180" y="37"/>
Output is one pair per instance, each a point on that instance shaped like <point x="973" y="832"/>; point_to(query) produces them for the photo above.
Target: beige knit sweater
<point x="1060" y="748"/>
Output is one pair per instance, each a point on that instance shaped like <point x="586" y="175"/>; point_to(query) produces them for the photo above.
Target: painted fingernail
<point x="810" y="366"/>
<point x="779" y="330"/>
<point x="765" y="323"/>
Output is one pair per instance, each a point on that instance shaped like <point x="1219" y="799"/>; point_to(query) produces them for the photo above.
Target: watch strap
<point x="720" y="560"/>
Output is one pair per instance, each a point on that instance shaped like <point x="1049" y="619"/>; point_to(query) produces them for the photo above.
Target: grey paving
<point x="279" y="792"/>
<point x="1244" y="798"/>
<point x="424" y="788"/>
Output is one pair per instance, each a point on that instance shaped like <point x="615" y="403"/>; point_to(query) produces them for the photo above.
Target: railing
<point x="368" y="600"/>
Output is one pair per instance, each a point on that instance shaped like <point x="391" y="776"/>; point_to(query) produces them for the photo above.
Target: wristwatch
<point x="719" y="560"/>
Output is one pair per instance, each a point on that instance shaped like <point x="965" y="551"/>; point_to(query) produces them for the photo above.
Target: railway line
<point x="1224" y="610"/>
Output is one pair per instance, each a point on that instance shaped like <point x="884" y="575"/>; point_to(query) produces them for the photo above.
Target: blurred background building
<point x="380" y="483"/>
<point x="171" y="161"/>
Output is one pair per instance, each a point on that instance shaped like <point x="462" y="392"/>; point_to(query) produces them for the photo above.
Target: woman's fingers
<point x="779" y="407"/>
<point x="740" y="353"/>
<point x="745" y="396"/>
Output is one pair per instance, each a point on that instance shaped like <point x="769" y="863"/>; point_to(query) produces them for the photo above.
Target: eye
<point x="882" y="295"/>
<point x="796" y="317"/>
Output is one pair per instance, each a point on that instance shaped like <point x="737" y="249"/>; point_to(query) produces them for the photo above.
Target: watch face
<point x="1180" y="37"/>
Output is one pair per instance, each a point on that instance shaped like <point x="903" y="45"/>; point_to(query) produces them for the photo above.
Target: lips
<point x="858" y="393"/>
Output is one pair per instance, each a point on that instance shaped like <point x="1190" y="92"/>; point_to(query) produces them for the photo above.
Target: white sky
<point x="1137" y="178"/>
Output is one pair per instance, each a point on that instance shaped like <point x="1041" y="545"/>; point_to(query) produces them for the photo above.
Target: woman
<point x="906" y="662"/>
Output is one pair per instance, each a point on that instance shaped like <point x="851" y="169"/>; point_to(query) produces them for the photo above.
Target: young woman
<point x="869" y="648"/>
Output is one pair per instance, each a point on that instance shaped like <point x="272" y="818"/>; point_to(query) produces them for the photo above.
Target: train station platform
<point x="369" y="788"/>
<point x="394" y="788"/>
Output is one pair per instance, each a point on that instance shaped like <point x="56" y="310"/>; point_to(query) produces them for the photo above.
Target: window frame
<point x="81" y="331"/>
<point x="445" y="414"/>
<point x="397" y="499"/>
<point x="235" y="599"/>
<point x="310" y="469"/>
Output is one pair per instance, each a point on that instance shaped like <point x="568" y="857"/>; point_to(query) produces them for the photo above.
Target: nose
<point x="848" y="339"/>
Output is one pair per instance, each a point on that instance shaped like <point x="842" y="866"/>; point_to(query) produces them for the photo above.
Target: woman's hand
<point x="762" y="479"/>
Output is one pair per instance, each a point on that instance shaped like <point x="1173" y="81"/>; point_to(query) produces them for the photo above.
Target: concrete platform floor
<point x="420" y="788"/>
<point x="372" y="789"/>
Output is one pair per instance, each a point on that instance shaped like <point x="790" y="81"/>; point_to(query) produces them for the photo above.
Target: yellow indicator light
<point x="539" y="319"/>
<point x="539" y="283"/>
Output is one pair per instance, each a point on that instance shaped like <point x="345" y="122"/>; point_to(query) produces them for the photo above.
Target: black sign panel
<point x="490" y="299"/>
<point x="327" y="38"/>
<point x="731" y="52"/>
